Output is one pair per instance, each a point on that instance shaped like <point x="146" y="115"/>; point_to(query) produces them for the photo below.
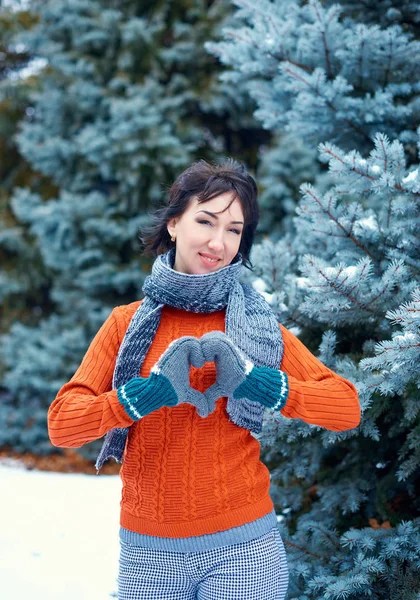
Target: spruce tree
<point x="345" y="278"/>
<point x="18" y="77"/>
<point x="23" y="280"/>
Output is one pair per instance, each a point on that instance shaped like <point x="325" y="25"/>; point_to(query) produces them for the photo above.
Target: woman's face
<point x="202" y="235"/>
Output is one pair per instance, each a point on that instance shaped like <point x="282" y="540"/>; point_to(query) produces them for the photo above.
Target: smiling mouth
<point x="211" y="261"/>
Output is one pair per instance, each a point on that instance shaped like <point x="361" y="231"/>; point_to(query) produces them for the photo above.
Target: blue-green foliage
<point x="366" y="563"/>
<point x="368" y="224"/>
<point x="279" y="181"/>
<point x="303" y="60"/>
<point x="17" y="279"/>
<point x="344" y="276"/>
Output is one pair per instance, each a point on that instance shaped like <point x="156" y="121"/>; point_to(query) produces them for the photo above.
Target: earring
<point x="173" y="238"/>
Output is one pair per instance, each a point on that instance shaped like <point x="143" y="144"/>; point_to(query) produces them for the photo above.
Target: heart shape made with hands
<point x="216" y="347"/>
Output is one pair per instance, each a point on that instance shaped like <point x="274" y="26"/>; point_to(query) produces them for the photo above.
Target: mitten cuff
<point x="266" y="386"/>
<point x="142" y="395"/>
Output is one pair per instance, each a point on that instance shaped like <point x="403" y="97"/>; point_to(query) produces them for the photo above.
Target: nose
<point x="216" y="242"/>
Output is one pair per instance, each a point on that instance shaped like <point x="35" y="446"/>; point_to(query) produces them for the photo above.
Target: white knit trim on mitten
<point x="129" y="403"/>
<point x="283" y="391"/>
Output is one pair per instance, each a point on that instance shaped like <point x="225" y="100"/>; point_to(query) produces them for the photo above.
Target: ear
<point x="171" y="226"/>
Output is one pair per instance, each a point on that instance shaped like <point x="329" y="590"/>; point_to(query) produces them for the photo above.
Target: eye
<point x="205" y="221"/>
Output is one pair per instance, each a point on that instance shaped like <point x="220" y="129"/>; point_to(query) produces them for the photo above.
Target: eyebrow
<point x="216" y="217"/>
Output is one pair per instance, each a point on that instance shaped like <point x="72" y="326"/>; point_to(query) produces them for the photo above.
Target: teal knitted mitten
<point x="168" y="383"/>
<point x="237" y="376"/>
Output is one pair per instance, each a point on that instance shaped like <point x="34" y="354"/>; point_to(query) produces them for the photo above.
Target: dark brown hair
<point x="205" y="181"/>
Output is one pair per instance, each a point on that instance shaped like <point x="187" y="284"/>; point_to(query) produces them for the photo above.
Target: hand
<point x="232" y="366"/>
<point x="238" y="377"/>
<point x="175" y="364"/>
<point x="168" y="383"/>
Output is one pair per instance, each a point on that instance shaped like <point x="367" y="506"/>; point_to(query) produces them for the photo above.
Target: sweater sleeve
<point x="86" y="407"/>
<point x="317" y="395"/>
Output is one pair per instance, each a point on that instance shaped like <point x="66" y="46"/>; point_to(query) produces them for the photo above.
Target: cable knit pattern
<point x="241" y="449"/>
<point x="186" y="477"/>
<point x="190" y="466"/>
<point x="184" y="472"/>
<point x="221" y="463"/>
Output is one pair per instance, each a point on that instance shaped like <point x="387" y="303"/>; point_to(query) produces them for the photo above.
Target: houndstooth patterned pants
<point x="253" y="570"/>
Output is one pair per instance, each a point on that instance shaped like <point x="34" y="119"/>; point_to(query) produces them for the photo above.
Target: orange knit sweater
<point x="184" y="475"/>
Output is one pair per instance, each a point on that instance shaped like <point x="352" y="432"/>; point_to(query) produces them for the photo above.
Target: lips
<point x="214" y="259"/>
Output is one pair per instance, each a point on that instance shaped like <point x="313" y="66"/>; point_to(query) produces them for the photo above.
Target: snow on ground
<point x="58" y="535"/>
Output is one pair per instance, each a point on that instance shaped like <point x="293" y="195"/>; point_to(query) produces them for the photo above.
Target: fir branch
<point x="252" y="44"/>
<point x="338" y="289"/>
<point x="329" y="536"/>
<point x="304" y="550"/>
<point x="324" y="40"/>
<point x="386" y="287"/>
<point x="397" y="187"/>
<point x="328" y="103"/>
<point x="335" y="220"/>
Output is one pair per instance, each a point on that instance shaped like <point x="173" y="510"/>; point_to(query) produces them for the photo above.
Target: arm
<point x="303" y="388"/>
<point x="317" y="395"/>
<point x="86" y="407"/>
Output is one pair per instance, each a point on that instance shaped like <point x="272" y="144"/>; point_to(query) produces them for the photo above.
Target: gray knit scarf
<point x="249" y="322"/>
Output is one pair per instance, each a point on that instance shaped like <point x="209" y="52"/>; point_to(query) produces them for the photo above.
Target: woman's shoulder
<point x="124" y="312"/>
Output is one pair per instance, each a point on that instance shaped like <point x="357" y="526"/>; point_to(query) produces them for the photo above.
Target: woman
<point x="179" y="383"/>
